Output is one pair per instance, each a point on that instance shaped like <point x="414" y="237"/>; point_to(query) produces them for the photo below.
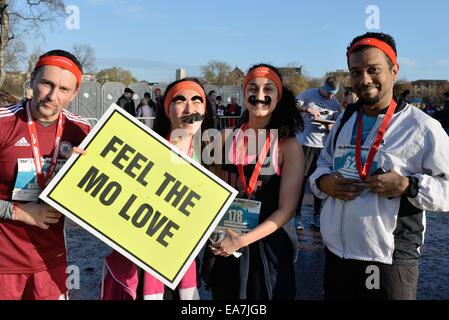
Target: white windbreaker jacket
<point x="375" y="228"/>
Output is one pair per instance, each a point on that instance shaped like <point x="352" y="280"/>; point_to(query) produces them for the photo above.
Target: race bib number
<point x="344" y="161"/>
<point x="26" y="187"/>
<point x="242" y="216"/>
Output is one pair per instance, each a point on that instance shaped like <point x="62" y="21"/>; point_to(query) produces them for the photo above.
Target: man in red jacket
<point x="36" y="136"/>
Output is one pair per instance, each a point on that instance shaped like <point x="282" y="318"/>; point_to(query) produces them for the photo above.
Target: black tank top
<point x="267" y="186"/>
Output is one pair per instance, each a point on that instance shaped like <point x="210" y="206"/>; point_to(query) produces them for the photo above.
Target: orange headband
<point x="264" y="72"/>
<point x="373" y="42"/>
<point x="176" y="90"/>
<point x="62" y="62"/>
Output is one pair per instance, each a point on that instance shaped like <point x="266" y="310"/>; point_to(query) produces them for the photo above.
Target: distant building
<point x="236" y="77"/>
<point x="429" y="88"/>
<point x="180" y="74"/>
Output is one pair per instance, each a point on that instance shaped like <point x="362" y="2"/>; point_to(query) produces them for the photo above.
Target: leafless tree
<point x="85" y="54"/>
<point x="33" y="58"/>
<point x="216" y="72"/>
<point x="18" y="17"/>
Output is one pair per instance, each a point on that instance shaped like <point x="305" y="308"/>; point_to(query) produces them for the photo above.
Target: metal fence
<point x="94" y="99"/>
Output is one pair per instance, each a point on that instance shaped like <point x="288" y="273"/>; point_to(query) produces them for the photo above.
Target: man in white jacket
<point x="383" y="166"/>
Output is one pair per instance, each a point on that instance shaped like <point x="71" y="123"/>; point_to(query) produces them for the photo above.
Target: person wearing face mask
<point x="383" y="166"/>
<point x="315" y="104"/>
<point x="267" y="171"/>
<point x="184" y="112"/>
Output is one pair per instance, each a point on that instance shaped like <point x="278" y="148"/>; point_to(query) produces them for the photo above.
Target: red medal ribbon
<point x="255" y="175"/>
<point x="364" y="171"/>
<point x="42" y="178"/>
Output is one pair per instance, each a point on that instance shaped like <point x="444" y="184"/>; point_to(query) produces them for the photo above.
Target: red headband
<point x="176" y="90"/>
<point x="373" y="42"/>
<point x="264" y="72"/>
<point x="61" y="62"/>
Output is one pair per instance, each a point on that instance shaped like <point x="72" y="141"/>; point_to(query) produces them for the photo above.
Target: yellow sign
<point x="140" y="195"/>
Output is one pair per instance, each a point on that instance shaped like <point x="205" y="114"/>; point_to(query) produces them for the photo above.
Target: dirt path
<point x="87" y="252"/>
<point x="434" y="270"/>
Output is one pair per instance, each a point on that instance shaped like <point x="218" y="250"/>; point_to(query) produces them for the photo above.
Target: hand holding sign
<point x="78" y="150"/>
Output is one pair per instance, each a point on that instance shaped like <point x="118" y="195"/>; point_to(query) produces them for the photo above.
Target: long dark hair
<point x="162" y="123"/>
<point x="285" y="116"/>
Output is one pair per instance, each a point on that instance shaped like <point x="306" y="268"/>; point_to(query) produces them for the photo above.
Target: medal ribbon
<point x="42" y="178"/>
<point x="249" y="189"/>
<point x="365" y="169"/>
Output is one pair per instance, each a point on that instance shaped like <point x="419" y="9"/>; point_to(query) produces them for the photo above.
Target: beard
<point x="367" y="100"/>
<point x="370" y="101"/>
<point x="42" y="109"/>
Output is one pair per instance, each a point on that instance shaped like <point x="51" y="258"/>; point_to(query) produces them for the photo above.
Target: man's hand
<point x="328" y="126"/>
<point x="339" y="187"/>
<point x="315" y="113"/>
<point x="36" y="214"/>
<point x="390" y="184"/>
<point x="77" y="150"/>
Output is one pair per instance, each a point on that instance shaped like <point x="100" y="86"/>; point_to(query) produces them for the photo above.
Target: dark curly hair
<point x="388" y="39"/>
<point x="162" y="123"/>
<point x="285" y="116"/>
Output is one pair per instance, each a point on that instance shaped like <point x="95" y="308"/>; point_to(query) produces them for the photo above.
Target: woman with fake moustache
<point x="185" y="112"/>
<point x="266" y="164"/>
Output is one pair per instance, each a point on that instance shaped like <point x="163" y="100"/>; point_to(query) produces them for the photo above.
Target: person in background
<point x="233" y="110"/>
<point x="315" y="104"/>
<point x="126" y="102"/>
<point x="211" y="96"/>
<point x="145" y="111"/>
<point x="443" y="114"/>
<point x="405" y="96"/>
<point x="349" y="97"/>
<point x="157" y="99"/>
<point x="220" y="112"/>
<point x="220" y="107"/>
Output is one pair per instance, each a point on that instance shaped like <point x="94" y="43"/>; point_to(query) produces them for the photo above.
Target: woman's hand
<point x="232" y="242"/>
